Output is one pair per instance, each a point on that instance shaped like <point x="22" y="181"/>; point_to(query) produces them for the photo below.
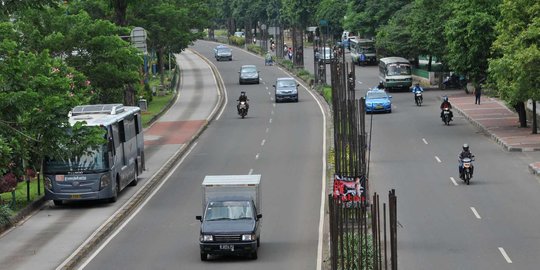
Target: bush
<point x="5" y="215"/>
<point x="255" y="49"/>
<point x="238" y="41"/>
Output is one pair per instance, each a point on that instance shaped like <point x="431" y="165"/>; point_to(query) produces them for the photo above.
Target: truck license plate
<point x="76" y="196"/>
<point x="227" y="247"/>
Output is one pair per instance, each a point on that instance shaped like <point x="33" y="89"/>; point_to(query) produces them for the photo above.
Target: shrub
<point x="5" y="215"/>
<point x="255" y="49"/>
<point x="238" y="41"/>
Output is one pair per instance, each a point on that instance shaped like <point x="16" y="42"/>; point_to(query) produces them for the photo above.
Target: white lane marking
<point x="262" y="143"/>
<point x="506" y="257"/>
<point x="272" y="112"/>
<point x="257" y="155"/>
<point x="270" y="121"/>
<point x="121" y="227"/>
<point x="425" y="142"/>
<point x="267" y="129"/>
<point x="359" y="82"/>
<point x="438" y="159"/>
<point x="269" y="92"/>
<point x="475" y="213"/>
<point x="454" y="181"/>
<point x="250" y="171"/>
<point x="267" y="89"/>
<point x="274" y="104"/>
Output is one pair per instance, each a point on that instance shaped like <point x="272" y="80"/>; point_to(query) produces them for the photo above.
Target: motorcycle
<point x="454" y="81"/>
<point x="418" y="98"/>
<point x="467" y="169"/>
<point x="242" y="109"/>
<point x="446" y="116"/>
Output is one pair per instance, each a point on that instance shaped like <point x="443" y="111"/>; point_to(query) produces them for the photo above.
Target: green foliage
<point x="394" y="38"/>
<point x="332" y="11"/>
<point x="352" y="254"/>
<point x="255" y="49"/>
<point x="5" y="215"/>
<point x="238" y="41"/>
<point x="515" y="69"/>
<point x="298" y="13"/>
<point x="364" y="17"/>
<point x="470" y="30"/>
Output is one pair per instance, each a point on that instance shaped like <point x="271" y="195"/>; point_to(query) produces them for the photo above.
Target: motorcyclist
<point x="446" y="104"/>
<point x="465" y="153"/>
<point x="381" y="85"/>
<point x="241" y="98"/>
<point x="417" y="88"/>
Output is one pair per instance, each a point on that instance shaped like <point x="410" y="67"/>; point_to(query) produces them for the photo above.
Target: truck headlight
<point x="104" y="181"/>
<point x="248" y="237"/>
<point x="207" y="238"/>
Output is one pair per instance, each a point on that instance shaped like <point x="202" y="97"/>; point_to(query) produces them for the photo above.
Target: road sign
<point x="138" y="38"/>
<point x="323" y="22"/>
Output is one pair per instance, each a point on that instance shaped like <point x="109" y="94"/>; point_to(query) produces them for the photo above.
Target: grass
<point x="155" y="107"/>
<point x="21" y="195"/>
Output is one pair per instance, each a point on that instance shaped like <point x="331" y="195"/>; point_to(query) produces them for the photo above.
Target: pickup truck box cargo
<point x="230" y="224"/>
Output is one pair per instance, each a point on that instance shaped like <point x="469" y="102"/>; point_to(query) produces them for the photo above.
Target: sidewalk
<point x="501" y="123"/>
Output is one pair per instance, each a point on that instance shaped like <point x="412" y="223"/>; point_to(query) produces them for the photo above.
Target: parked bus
<point x="395" y="72"/>
<point x="366" y="47"/>
<point x="106" y="170"/>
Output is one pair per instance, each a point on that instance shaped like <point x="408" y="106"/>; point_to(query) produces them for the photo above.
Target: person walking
<point x="477" y="93"/>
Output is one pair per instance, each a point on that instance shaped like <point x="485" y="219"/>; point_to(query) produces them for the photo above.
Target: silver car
<point x="286" y="89"/>
<point x="223" y="53"/>
<point x="248" y="74"/>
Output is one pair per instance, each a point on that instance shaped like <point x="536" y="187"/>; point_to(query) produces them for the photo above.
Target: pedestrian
<point x="477" y="93"/>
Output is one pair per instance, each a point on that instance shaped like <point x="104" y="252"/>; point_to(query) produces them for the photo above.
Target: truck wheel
<point x="204" y="256"/>
<point x="254" y="255"/>
<point x="58" y="202"/>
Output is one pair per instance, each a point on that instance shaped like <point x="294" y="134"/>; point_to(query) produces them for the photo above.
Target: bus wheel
<point x="116" y="190"/>
<point x="58" y="202"/>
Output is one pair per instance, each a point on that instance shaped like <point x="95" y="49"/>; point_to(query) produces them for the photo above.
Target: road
<point x="283" y="142"/>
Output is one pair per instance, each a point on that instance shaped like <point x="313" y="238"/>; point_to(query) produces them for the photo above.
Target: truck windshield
<point x="95" y="161"/>
<point x="228" y="210"/>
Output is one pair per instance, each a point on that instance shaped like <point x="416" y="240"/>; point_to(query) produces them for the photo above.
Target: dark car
<point x="248" y="74"/>
<point x="223" y="53"/>
<point x="286" y="89"/>
<point x="230" y="228"/>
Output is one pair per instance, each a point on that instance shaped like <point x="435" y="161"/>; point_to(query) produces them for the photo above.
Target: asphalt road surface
<point x="282" y="142"/>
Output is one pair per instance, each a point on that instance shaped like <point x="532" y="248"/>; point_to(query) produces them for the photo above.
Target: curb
<point x="107" y="228"/>
<point x="494" y="137"/>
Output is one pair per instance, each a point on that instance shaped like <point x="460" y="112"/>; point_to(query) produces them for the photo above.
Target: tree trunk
<point x="429" y="63"/>
<point x="534" y="131"/>
<point x="161" y="65"/>
<point x="520" y="109"/>
<point x="129" y="95"/>
<point x="120" y="7"/>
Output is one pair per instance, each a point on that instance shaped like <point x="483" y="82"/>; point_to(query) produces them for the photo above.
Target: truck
<point x="231" y="219"/>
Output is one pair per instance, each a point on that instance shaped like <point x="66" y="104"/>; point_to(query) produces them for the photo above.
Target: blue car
<point x="378" y="101"/>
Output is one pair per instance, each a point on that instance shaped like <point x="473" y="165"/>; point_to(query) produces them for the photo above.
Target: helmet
<point x="243" y="93"/>
<point x="417" y="84"/>
<point x="465" y="147"/>
<point x="445" y="98"/>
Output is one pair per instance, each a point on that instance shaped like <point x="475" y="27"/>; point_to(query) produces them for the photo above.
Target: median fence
<point x="361" y="237"/>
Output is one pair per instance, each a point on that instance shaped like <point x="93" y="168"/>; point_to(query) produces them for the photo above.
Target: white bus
<point x="395" y="72"/>
<point x="107" y="170"/>
<point x="366" y="47"/>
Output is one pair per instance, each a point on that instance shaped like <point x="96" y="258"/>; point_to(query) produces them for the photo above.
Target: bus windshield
<point x="94" y="161"/>
<point x="398" y="69"/>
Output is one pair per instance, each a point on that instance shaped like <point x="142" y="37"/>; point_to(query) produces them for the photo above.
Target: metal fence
<point x="357" y="240"/>
<point x="361" y="237"/>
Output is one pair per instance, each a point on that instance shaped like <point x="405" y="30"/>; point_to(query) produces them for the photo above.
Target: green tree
<point x="469" y="32"/>
<point x="169" y="24"/>
<point x="36" y="94"/>
<point x="333" y="11"/>
<point x="93" y="47"/>
<point x="394" y="38"/>
<point x="427" y="31"/>
<point x="515" y="68"/>
<point x="366" y="16"/>
<point x="8" y="7"/>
